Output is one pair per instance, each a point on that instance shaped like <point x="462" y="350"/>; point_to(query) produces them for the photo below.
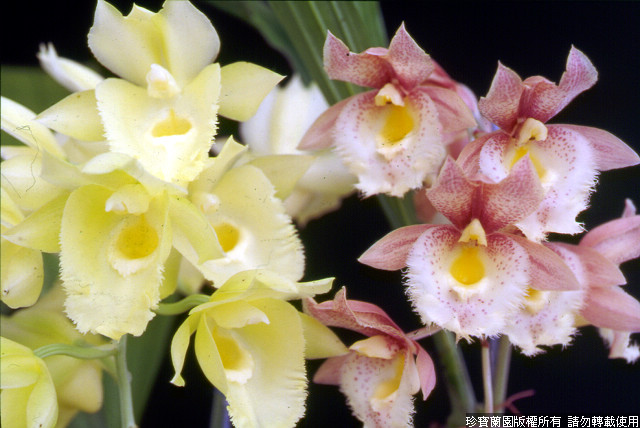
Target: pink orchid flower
<point x="470" y="275"/>
<point x="608" y="306"/>
<point x="567" y="157"/>
<point x="394" y="137"/>
<point x="380" y="374"/>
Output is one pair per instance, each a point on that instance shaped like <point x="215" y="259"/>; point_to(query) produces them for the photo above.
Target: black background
<point x="467" y="39"/>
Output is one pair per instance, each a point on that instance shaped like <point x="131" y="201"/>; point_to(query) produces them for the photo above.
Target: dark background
<point x="467" y="39"/>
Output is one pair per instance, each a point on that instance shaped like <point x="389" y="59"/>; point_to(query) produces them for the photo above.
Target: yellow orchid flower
<point x="250" y="344"/>
<point x="28" y="394"/>
<point x="250" y="222"/>
<point x="78" y="382"/>
<point x="163" y="111"/>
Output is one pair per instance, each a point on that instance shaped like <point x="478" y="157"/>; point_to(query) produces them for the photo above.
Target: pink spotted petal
<point x="329" y="371"/>
<point x="510" y="200"/>
<point x="618" y="240"/>
<point x="598" y="271"/>
<point x="453" y="114"/>
<point x="361" y="377"/>
<point x="321" y="133"/>
<point x="488" y="156"/>
<point x="362" y="317"/>
<point x="501" y="104"/>
<point x="569" y="178"/>
<point x="612" y="307"/>
<point x="416" y="156"/>
<point x="543" y="100"/>
<point x="548" y="271"/>
<point x="452" y="194"/>
<point x="553" y="324"/>
<point x="426" y="372"/>
<point x="363" y="69"/>
<point x="609" y="151"/>
<point x="390" y="252"/>
<point x="477" y="310"/>
<point x="411" y="64"/>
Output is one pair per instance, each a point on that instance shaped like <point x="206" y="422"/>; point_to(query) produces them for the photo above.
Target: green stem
<point x="459" y="388"/>
<point x="182" y="306"/>
<point x="124" y="386"/>
<point x="487" y="380"/>
<point x="81" y="352"/>
<point x="501" y="372"/>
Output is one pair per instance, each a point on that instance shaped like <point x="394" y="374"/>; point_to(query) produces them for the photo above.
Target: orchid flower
<point x="468" y="276"/>
<point x="276" y="129"/>
<point x="163" y="110"/>
<point x="567" y="158"/>
<point x="250" y="222"/>
<point x="78" y="382"/>
<point x="391" y="138"/>
<point x="251" y="345"/>
<point x="28" y="393"/>
<point x="380" y="374"/>
<point x="608" y="307"/>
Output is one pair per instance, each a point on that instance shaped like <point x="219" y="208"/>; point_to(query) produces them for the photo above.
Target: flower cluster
<point x="127" y="181"/>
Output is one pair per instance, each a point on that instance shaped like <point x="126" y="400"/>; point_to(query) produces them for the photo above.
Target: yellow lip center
<point x="172" y="124"/>
<point x="137" y="240"/>
<point x="228" y="236"/>
<point x="467" y="268"/>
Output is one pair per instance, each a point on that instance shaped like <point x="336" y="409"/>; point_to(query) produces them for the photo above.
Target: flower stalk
<point x="124" y="385"/>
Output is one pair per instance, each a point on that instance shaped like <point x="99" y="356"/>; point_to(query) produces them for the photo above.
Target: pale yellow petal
<point x="275" y="394"/>
<point x="22" y="180"/>
<point x="76" y="116"/>
<point x="125" y="45"/>
<point x="320" y="341"/>
<point x="253" y="228"/>
<point x="244" y="86"/>
<point x="70" y="74"/>
<point x="179" y="345"/>
<point x="181" y="24"/>
<point x="112" y="264"/>
<point x="22" y="275"/>
<point x="283" y="171"/>
<point x="18" y="121"/>
<point x="40" y="230"/>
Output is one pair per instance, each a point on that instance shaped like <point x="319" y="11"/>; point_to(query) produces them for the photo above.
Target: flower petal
<point x="321" y="133"/>
<point x="76" y="116"/>
<point x="453" y="114"/>
<point x="548" y="271"/>
<point x="390" y="252"/>
<point x="18" y="121"/>
<point x="410" y="63"/>
<point x="180" y="23"/>
<point x="475" y="309"/>
<point x="252" y="228"/>
<point x="501" y="104"/>
<point x="384" y="161"/>
<point x="543" y="100"/>
<point x="40" y="230"/>
<point x="609" y="151"/>
<point x="598" y="270"/>
<point x="320" y="341"/>
<point x="452" y="194"/>
<point x="125" y="45"/>
<point x="618" y="240"/>
<point x="244" y="86"/>
<point x="274" y="396"/>
<point x="362" y="69"/>
<point x="70" y="74"/>
<point x="112" y="264"/>
<point x="611" y="307"/>
<point x="22" y="275"/>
